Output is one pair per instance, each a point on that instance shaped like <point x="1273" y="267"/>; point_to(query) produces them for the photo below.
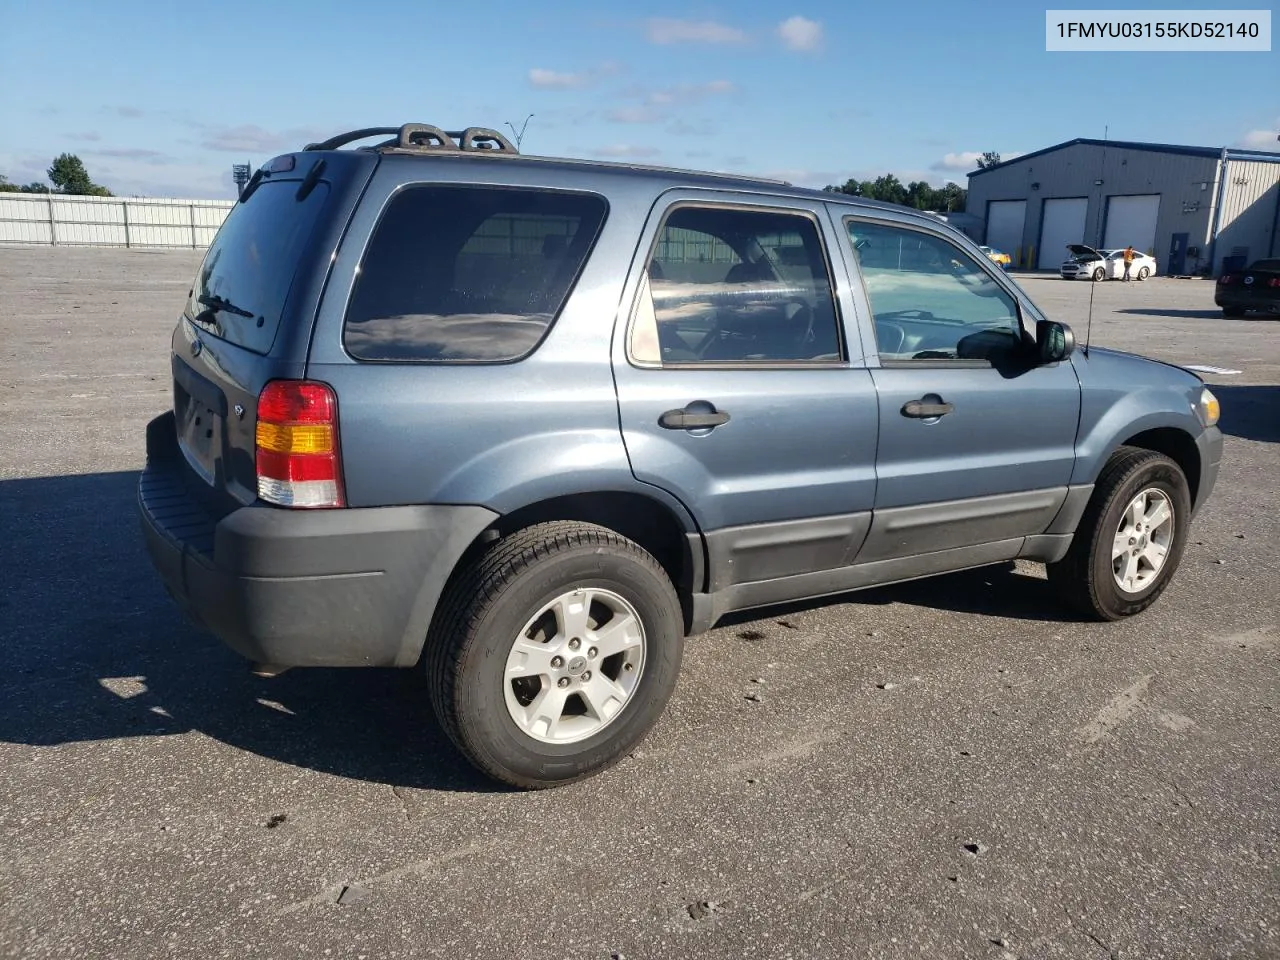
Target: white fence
<point x="52" y="218"/>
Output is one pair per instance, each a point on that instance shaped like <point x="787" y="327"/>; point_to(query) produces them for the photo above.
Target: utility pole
<point x="519" y="134"/>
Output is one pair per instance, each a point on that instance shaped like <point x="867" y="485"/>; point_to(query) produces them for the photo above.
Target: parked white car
<point x="1087" y="263"/>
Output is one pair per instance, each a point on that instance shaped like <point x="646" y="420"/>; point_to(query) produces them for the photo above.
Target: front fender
<point x="1110" y="417"/>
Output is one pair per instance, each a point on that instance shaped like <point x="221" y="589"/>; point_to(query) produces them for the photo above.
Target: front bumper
<point x="346" y="587"/>
<point x="1209" y="443"/>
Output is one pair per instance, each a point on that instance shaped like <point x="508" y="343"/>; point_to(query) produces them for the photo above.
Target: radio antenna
<point x="1102" y="165"/>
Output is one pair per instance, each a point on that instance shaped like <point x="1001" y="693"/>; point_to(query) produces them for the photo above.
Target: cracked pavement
<point x="949" y="768"/>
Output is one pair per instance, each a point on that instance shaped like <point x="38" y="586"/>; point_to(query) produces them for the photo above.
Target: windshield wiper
<point x="218" y="304"/>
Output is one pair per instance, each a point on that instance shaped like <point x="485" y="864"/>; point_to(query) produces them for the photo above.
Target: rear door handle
<point x="925" y="409"/>
<point x="687" y="419"/>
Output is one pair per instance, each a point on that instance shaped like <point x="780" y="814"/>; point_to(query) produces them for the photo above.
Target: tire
<point x="1099" y="275"/>
<point x="1143" y="273"/>
<point x="587" y="574"/>
<point x="1086" y="578"/>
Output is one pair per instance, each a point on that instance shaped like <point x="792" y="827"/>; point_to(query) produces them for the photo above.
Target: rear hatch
<point x="251" y="307"/>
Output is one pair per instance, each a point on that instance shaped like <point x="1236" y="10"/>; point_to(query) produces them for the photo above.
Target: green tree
<point x="6" y="186"/>
<point x="988" y="159"/>
<point x="917" y="194"/>
<point x="921" y="196"/>
<point x="68" y="175"/>
<point x="35" y="186"/>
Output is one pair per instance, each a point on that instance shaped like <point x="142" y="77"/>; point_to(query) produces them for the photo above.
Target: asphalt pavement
<point x="950" y="768"/>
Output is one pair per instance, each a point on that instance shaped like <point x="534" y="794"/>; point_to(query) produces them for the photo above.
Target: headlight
<point x="1208" y="409"/>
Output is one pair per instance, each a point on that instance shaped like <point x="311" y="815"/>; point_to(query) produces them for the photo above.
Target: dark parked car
<point x="1256" y="288"/>
<point x="525" y="424"/>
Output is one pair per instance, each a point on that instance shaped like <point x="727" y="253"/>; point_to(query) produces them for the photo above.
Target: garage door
<point x="1063" y="223"/>
<point x="1132" y="220"/>
<point x="1004" y="225"/>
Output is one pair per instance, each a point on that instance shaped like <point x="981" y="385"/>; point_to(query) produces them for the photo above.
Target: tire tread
<point x="454" y="628"/>
<point x="1073" y="576"/>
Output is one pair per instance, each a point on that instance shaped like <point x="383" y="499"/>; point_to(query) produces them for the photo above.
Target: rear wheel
<point x="555" y="653"/>
<point x="1130" y="539"/>
<point x="1144" y="272"/>
<point x="1099" y="274"/>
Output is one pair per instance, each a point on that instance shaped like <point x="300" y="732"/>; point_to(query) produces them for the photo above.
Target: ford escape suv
<point x="528" y="423"/>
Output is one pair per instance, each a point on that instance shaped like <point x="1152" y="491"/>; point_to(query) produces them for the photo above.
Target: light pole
<point x="519" y="134"/>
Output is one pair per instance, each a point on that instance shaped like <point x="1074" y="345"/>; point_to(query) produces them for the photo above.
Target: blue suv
<point x="527" y="423"/>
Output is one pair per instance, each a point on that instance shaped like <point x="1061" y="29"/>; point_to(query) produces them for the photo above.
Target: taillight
<point x="1226" y="278"/>
<point x="1274" y="282"/>
<point x="297" y="445"/>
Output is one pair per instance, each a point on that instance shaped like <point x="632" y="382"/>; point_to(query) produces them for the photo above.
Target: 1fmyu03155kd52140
<point x="527" y="423"/>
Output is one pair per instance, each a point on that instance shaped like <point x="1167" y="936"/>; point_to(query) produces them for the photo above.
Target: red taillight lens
<point x="1226" y="278"/>
<point x="1274" y="282"/>
<point x="297" y="451"/>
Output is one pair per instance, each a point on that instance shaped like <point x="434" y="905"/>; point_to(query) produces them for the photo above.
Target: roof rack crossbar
<point x="333" y="143"/>
<point x="483" y="138"/>
<point x="422" y="136"/>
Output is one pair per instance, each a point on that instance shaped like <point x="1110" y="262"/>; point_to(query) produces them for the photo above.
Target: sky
<point x="161" y="98"/>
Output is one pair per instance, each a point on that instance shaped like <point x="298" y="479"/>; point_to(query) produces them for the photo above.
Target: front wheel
<point x="554" y="654"/>
<point x="1099" y="275"/>
<point x="1130" y="539"/>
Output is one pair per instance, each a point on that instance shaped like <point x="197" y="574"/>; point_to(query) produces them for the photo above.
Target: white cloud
<point x="963" y="162"/>
<point x="687" y="92"/>
<point x="665" y="30"/>
<point x="624" y="151"/>
<point x="1268" y="140"/>
<point x="635" y="115"/>
<point x="251" y="138"/>
<point x="800" y="34"/>
<point x="551" y="80"/>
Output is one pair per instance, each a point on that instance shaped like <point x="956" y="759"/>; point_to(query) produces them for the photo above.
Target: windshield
<point x="240" y="289"/>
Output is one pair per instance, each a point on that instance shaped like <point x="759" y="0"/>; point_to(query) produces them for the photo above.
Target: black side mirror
<point x="1054" y="341"/>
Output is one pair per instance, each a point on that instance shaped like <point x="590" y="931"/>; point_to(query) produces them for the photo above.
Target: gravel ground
<point x="949" y="768"/>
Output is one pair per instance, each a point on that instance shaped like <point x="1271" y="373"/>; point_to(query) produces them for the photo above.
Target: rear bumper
<point x="1238" y="299"/>
<point x="349" y="587"/>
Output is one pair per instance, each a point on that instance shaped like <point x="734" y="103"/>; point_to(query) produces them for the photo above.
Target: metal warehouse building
<point x="1190" y="207"/>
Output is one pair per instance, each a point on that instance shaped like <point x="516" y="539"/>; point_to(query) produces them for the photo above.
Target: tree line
<point x="918" y="194"/>
<point x="67" y="174"/>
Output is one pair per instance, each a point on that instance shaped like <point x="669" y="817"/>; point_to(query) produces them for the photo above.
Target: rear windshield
<point x="1265" y="265"/>
<point x="468" y="274"/>
<point x="240" y="289"/>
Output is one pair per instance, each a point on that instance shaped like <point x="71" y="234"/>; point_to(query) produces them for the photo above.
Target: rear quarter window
<point x="240" y="289"/>
<point x="468" y="274"/>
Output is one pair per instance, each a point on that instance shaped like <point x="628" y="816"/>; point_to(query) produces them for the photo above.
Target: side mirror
<point x="1054" y="341"/>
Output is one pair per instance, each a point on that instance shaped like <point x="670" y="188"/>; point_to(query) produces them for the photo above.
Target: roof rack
<point x="422" y="136"/>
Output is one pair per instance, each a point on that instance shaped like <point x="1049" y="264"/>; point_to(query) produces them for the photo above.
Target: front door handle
<point x="925" y="409"/>
<point x="688" y="419"/>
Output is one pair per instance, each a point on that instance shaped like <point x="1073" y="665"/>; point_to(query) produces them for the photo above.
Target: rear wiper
<point x="218" y="304"/>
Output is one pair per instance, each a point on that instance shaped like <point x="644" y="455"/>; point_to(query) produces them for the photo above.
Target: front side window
<point x="727" y="285"/>
<point x="468" y="273"/>
<point x="930" y="299"/>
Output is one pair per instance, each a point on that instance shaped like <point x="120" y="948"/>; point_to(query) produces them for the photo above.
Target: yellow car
<point x="997" y="257"/>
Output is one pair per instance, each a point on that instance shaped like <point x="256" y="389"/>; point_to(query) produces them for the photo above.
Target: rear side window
<point x="241" y="286"/>
<point x="728" y="285"/>
<point x="468" y="273"/>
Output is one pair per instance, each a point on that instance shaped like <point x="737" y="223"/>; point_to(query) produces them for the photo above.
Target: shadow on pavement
<point x="1174" y="314"/>
<point x="995" y="591"/>
<point x="1249" y="412"/>
<point x="96" y="650"/>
